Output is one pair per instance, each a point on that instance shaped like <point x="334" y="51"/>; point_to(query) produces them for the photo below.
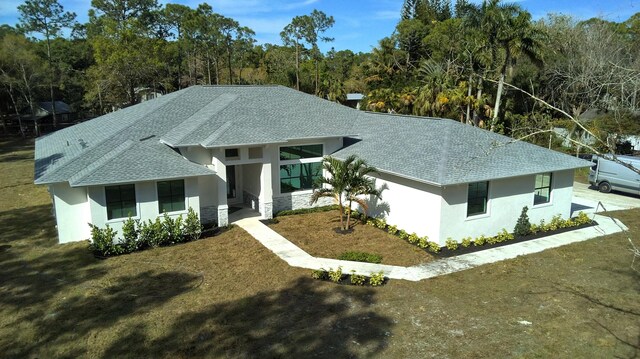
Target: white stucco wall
<point x="147" y="203"/>
<point x="72" y="212"/>
<point x="410" y="205"/>
<point x="251" y="178"/>
<point x="507" y="197"/>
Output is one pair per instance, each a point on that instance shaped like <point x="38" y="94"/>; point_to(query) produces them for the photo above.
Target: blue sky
<point x="359" y="23"/>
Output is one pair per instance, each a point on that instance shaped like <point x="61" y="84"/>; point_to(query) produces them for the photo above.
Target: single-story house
<point x="212" y="147"/>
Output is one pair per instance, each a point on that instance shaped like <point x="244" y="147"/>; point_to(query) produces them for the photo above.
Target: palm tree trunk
<point x="496" y="109"/>
<point x="348" y="216"/>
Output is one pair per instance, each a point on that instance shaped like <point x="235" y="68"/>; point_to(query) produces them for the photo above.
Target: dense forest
<point x="488" y="64"/>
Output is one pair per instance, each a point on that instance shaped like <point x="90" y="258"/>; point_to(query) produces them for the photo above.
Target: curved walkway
<point x="296" y="257"/>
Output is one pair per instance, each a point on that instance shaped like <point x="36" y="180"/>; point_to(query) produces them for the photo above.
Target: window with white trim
<point x="121" y="201"/>
<point x="477" y="198"/>
<point x="171" y="196"/>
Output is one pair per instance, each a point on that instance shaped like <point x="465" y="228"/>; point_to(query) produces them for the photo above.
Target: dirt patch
<point x="319" y="234"/>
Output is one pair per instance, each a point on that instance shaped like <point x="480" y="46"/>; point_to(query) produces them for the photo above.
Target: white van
<point x="608" y="175"/>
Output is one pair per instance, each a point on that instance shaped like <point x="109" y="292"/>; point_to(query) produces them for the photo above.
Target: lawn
<point x="319" y="235"/>
<point x="228" y="297"/>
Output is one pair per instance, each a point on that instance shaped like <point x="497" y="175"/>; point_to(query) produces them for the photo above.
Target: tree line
<point x="475" y="63"/>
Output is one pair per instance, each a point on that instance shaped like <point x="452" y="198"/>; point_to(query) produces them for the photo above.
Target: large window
<point x="542" y="192"/>
<point x="300" y="152"/>
<point x="477" y="196"/>
<point x="171" y="196"/>
<point x="121" y="201"/>
<point x="296" y="177"/>
<point x="300" y="167"/>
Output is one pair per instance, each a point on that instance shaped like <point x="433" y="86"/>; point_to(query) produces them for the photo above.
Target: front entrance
<point x="231" y="183"/>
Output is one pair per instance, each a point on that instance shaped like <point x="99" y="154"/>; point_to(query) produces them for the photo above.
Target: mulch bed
<point x="447" y="253"/>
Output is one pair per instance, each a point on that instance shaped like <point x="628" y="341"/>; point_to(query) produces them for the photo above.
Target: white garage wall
<point x="507" y="197"/>
<point x="72" y="212"/>
<point x="410" y="205"/>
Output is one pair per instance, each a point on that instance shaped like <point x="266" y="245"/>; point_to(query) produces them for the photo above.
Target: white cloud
<point x="386" y="15"/>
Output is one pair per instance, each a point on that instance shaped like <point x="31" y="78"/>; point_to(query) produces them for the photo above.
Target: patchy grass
<point x="228" y="297"/>
<point x="319" y="235"/>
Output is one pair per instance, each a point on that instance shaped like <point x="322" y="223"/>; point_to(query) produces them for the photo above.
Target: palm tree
<point x="506" y="27"/>
<point x="345" y="181"/>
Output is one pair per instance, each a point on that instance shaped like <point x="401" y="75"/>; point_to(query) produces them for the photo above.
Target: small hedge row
<point x="290" y="212"/>
<point x="336" y="276"/>
<point x="139" y="235"/>
<point x="360" y="257"/>
<point x="423" y="242"/>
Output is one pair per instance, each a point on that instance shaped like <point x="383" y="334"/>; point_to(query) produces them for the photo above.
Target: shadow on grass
<point x="300" y="321"/>
<point x="34" y="225"/>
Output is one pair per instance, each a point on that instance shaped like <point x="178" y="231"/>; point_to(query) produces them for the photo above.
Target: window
<point x="231" y="153"/>
<point x="121" y="201"/>
<point x="300" y="176"/>
<point x="542" y="192"/>
<point x="171" y="196"/>
<point x="300" y="167"/>
<point x="477" y="196"/>
<point x="300" y="152"/>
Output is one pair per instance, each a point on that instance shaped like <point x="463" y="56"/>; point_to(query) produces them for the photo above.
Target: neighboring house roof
<point x="61" y="107"/>
<point x="132" y="144"/>
<point x="354" y="96"/>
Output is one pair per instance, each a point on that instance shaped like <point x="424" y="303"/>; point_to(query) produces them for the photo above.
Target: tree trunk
<point x="297" y="66"/>
<point x="317" y="77"/>
<point x="348" y="217"/>
<point x="496" y="108"/>
<point x="476" y="114"/>
<point x="52" y="74"/>
<point x="469" y="89"/>
<point x="341" y="209"/>
<point x="229" y="63"/>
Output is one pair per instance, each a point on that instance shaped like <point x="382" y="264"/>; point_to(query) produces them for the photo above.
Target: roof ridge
<point x="100" y="162"/>
<point x="191" y="124"/>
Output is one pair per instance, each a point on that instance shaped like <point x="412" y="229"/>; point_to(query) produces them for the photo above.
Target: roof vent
<point x="146" y="138"/>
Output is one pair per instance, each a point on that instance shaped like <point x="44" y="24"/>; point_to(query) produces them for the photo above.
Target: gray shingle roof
<point x="132" y="144"/>
<point x="445" y="152"/>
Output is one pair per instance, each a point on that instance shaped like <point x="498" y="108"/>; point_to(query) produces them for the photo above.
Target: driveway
<point x="586" y="198"/>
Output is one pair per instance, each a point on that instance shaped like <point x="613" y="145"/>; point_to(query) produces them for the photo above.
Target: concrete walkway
<point x="296" y="257"/>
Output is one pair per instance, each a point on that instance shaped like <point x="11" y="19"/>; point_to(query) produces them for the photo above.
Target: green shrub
<point x="523" y="226"/>
<point x="433" y="247"/>
<point x="102" y="241"/>
<point x="582" y="218"/>
<point x="535" y="228"/>
<point x="382" y="224"/>
<point x="492" y="240"/>
<point x="480" y="241"/>
<point x="504" y="236"/>
<point x="129" y="235"/>
<point x="423" y="242"/>
<point x="357" y="279"/>
<point x="413" y="238"/>
<point x="466" y="242"/>
<point x="172" y="229"/>
<point x="376" y="279"/>
<point x="192" y="228"/>
<point x="403" y="234"/>
<point x="360" y="257"/>
<point x="319" y="274"/>
<point x="307" y="210"/>
<point x="335" y="275"/>
<point x="151" y="233"/>
<point x="452" y="245"/>
<point x="372" y="222"/>
<point x="392" y="229"/>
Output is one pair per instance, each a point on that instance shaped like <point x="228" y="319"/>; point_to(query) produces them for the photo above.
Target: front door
<point x="231" y="182"/>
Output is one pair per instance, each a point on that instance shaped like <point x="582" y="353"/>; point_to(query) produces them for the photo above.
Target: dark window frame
<point x="175" y="196"/>
<point x="477" y="198"/>
<point x="116" y="206"/>
<point x="306" y="176"/>
<point x="540" y="199"/>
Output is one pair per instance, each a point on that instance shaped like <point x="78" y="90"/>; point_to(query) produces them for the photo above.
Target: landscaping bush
<point x="357" y="279"/>
<point x="360" y="257"/>
<point x="582" y="218"/>
<point x="151" y="233"/>
<point x="192" y="226"/>
<point x="423" y="242"/>
<point x="319" y="274"/>
<point x="392" y="229"/>
<point x="172" y="230"/>
<point x="376" y="279"/>
<point x="523" y="226"/>
<point x="102" y="241"/>
<point x="466" y="242"/>
<point x="335" y="275"/>
<point x="452" y="245"/>
<point x="433" y="247"/>
<point x="129" y="241"/>
<point x="480" y="241"/>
